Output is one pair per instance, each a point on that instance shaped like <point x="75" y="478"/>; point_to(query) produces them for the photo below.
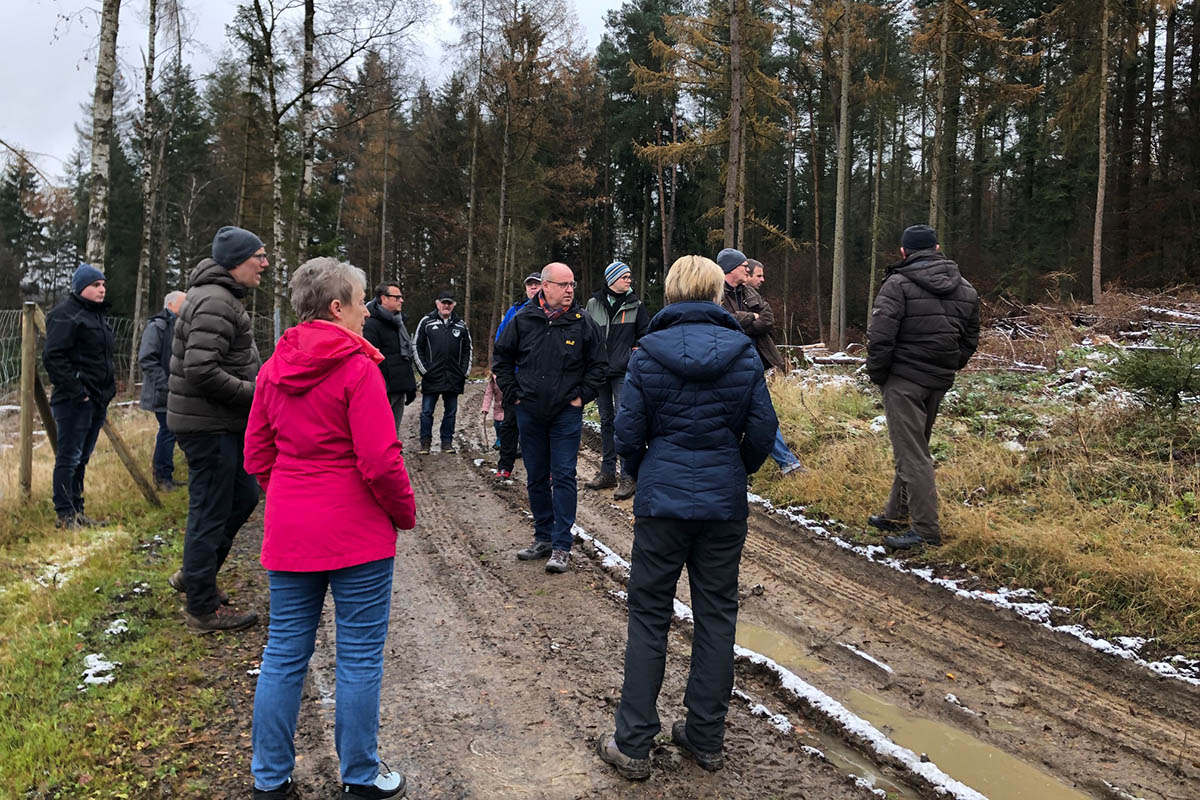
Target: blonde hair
<point x="320" y="281"/>
<point x="694" y="278"/>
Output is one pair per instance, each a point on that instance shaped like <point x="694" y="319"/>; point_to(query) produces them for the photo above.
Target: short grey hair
<point x="320" y="281"/>
<point x="172" y="297"/>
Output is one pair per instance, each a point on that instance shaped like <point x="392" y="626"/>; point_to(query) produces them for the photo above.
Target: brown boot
<point x="603" y="480"/>
<point x="223" y="619"/>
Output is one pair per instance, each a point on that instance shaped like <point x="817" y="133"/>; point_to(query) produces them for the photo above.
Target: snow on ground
<point x="97" y="671"/>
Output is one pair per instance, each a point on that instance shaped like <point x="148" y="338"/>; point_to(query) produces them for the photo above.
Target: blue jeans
<point x="449" y="412"/>
<point x="78" y="426"/>
<point x="164" y="450"/>
<point x="550" y="447"/>
<point x="221" y="497"/>
<point x="362" y="601"/>
<point x="607" y="402"/>
<point x="780" y="452"/>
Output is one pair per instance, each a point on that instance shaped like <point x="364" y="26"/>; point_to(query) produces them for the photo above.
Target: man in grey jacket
<point x="214" y="362"/>
<point x="154" y="357"/>
<point x="924" y="328"/>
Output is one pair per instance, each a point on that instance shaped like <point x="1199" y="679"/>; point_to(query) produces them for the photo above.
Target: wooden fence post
<point x="131" y="464"/>
<point x="28" y="371"/>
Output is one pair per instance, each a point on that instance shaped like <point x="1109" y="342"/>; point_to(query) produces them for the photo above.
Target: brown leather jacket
<point x="743" y="303"/>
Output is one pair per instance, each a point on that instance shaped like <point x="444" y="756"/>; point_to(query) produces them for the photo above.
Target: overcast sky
<point x="47" y="61"/>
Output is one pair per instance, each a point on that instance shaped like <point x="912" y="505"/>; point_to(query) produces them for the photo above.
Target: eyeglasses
<point x="261" y="257"/>
<point x="564" y="284"/>
<point x="395" y="296"/>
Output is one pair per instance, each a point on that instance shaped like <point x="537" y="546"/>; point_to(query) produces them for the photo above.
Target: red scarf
<point x="551" y="314"/>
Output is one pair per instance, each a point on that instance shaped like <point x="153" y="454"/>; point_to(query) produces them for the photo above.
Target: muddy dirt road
<point x="499" y="678"/>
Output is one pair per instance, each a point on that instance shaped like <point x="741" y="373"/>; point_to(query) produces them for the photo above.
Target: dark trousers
<point x="607" y="403"/>
<point x="510" y="439"/>
<point x="164" y="450"/>
<point x="550" y="448"/>
<point x="78" y="428"/>
<point x="449" y="412"/>
<point x="911" y="410"/>
<point x="396" y="401"/>
<point x="712" y="551"/>
<point x="221" y="497"/>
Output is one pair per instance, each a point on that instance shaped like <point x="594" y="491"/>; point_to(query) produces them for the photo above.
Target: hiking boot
<point x="880" y="522"/>
<point x="634" y="769"/>
<point x="423" y="450"/>
<point x="223" y="619"/>
<point x="67" y="522"/>
<point x="709" y="761"/>
<point x="560" y="561"/>
<point x="503" y="474"/>
<point x="535" y="551"/>
<point x="284" y="791"/>
<point x="386" y="784"/>
<point x="908" y="540"/>
<point x="795" y="466"/>
<point x="448" y="447"/>
<point x="177" y="583"/>
<point x="84" y="521"/>
<point x="625" y="489"/>
<point x="603" y="480"/>
<point x="166" y="485"/>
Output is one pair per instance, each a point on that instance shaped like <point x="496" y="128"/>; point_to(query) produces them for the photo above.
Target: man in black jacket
<point x="442" y="351"/>
<point x="79" y="361"/>
<point x="154" y="357"/>
<point x="551" y="361"/>
<point x="385" y="329"/>
<point x="214" y="362"/>
<point x="924" y="327"/>
<point x="623" y="319"/>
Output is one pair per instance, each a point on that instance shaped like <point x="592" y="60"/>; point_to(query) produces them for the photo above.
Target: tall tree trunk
<point x="978" y="171"/>
<point x="733" y="167"/>
<point x="278" y="249"/>
<point x="1102" y="160"/>
<point x="383" y="213"/>
<point x="102" y="133"/>
<point x="1126" y="129"/>
<point x="663" y="231"/>
<point x="473" y="173"/>
<point x="150" y="137"/>
<point x="817" y="170"/>
<point x="645" y="236"/>
<point x="307" y="136"/>
<point x="1148" y="61"/>
<point x="498" y="306"/>
<point x="837" y="306"/>
<point x="741" y="201"/>
<point x="939" y="124"/>
<point x="1168" y="103"/>
<point x="875" y="208"/>
<point x="787" y="227"/>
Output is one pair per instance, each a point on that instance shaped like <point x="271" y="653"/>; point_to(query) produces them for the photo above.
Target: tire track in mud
<point x="1084" y="716"/>
<point x="498" y="678"/>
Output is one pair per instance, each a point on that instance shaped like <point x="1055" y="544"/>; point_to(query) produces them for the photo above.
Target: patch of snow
<point x="591" y="425"/>
<point x="812" y="751"/>
<point x="94" y="669"/>
<point x="117" y="627"/>
<point x="1013" y="446"/>
<point x="254" y="671"/>
<point x="954" y="701"/>
<point x="478" y="462"/>
<point x="879" y="424"/>
<point x="1009" y="599"/>
<point x="863" y="783"/>
<point x="867" y="657"/>
<point x="1170" y="312"/>
<point x="777" y="721"/>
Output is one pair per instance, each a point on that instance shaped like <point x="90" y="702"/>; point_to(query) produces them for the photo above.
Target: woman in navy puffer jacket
<point x="695" y="420"/>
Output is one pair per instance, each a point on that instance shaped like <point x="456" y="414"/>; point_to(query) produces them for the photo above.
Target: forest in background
<point x="808" y="133"/>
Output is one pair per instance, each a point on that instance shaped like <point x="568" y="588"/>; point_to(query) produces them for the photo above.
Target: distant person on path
<point x="154" y="357"/>
<point x="924" y="327"/>
<point x="78" y="357"/>
<point x="533" y="285"/>
<point x="691" y="460"/>
<point x="753" y="313"/>
<point x="510" y="437"/>
<point x="385" y="329"/>
<point x="336" y="493"/>
<point x="213" y="365"/>
<point x="493" y="401"/>
<point x="550" y="362"/>
<point x="442" y="350"/>
<point x="623" y="319"/>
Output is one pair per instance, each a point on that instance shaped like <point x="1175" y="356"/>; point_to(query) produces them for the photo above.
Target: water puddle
<point x="981" y="766"/>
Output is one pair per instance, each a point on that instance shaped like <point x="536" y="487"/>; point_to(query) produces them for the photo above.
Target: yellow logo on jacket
<point x="570" y="342"/>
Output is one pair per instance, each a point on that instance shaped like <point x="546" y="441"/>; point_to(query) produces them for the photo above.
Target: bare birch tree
<point x="102" y="132"/>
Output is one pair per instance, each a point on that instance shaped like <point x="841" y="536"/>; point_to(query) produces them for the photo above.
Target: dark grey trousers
<point x="712" y="551"/>
<point x="911" y="410"/>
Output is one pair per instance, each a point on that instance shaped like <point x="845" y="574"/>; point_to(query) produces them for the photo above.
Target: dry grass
<point x="1087" y="515"/>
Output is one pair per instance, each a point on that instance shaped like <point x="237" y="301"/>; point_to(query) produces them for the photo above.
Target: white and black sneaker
<point x="387" y="784"/>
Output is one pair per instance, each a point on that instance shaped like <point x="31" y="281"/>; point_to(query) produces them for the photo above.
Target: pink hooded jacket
<point x="321" y="441"/>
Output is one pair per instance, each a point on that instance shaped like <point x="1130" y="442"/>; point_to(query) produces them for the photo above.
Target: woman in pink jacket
<point x="319" y="442"/>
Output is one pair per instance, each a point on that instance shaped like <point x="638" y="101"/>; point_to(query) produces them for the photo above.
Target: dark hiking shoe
<point x="67" y="522"/>
<point x="284" y="791"/>
<point x="82" y="520"/>
<point x="709" y="761"/>
<point x="223" y="619"/>
<point x="625" y="489"/>
<point x="560" y="561"/>
<point x="177" y="583"/>
<point x="634" y="769"/>
<point x="603" y="480"/>
<point x="880" y="522"/>
<point x="535" y="551"/>
<point x="166" y="485"/>
<point x="908" y="540"/>
<point x="448" y="447"/>
<point x="423" y="450"/>
<point x="503" y="474"/>
<point x="386" y="784"/>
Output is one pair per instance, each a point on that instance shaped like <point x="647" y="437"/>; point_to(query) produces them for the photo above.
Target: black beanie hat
<point x="231" y="246"/>
<point x="918" y="237"/>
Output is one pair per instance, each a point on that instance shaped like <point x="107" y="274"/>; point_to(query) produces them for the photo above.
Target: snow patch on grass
<point x="97" y="671"/>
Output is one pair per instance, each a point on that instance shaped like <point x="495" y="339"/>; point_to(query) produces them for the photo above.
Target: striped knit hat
<point x="615" y="270"/>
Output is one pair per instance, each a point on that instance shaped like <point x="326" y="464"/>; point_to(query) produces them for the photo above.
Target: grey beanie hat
<point x="85" y="275"/>
<point x="729" y="259"/>
<point x="231" y="246"/>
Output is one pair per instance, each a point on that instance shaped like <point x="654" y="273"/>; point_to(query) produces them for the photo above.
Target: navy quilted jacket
<point x="695" y="416"/>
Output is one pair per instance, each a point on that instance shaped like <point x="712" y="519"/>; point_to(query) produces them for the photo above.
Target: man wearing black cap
<point x="924" y="327"/>
<point x="79" y="361"/>
<point x="214" y="362"/>
<point x="442" y="352"/>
